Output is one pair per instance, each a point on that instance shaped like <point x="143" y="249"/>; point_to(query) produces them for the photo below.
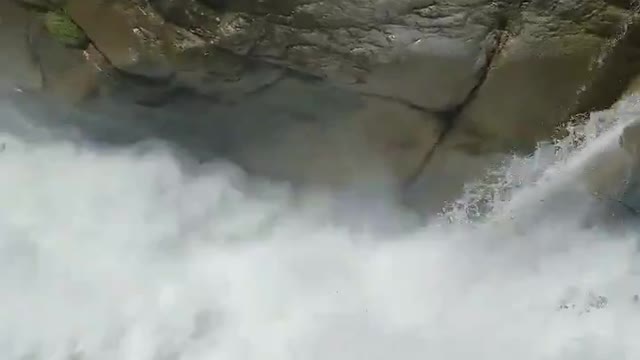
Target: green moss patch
<point x="60" y="25"/>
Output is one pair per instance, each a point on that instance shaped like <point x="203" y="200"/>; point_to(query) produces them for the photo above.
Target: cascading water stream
<point x="587" y="162"/>
<point x="565" y="173"/>
<point x="128" y="254"/>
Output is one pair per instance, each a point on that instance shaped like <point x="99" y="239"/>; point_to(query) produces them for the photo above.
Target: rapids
<point x="136" y="253"/>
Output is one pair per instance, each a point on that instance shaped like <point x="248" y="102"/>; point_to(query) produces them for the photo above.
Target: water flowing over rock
<point x="334" y="92"/>
<point x="515" y="124"/>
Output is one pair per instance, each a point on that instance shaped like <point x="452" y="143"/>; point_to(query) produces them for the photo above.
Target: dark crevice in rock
<point x="450" y="115"/>
<point x="265" y="87"/>
<point x="507" y="20"/>
<point x="612" y="71"/>
<point x="219" y="5"/>
<point x="160" y="97"/>
<point x="39" y="6"/>
<point x="448" y="125"/>
<point x="404" y="102"/>
<point x="289" y="68"/>
<point x="142" y="79"/>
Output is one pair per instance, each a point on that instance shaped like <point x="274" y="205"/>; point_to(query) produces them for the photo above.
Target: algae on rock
<point x="60" y="25"/>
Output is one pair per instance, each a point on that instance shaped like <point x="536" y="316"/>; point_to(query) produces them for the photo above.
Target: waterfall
<point x="134" y="254"/>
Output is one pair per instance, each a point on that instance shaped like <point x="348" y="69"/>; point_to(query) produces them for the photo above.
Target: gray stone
<point x="337" y="91"/>
<point x="379" y="139"/>
<point x="396" y="49"/>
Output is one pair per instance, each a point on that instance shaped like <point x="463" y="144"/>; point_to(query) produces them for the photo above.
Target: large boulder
<point x="233" y="72"/>
<point x="337" y="91"/>
<point x="426" y="54"/>
<point x="560" y="60"/>
<point x="529" y="90"/>
<point x="556" y="59"/>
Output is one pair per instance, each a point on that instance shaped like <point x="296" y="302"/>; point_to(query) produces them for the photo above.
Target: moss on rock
<point x="60" y="25"/>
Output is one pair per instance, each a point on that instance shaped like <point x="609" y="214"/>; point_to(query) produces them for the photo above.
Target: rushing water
<point x="131" y="254"/>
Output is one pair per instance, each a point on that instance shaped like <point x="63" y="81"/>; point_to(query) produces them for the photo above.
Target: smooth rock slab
<point x="377" y="140"/>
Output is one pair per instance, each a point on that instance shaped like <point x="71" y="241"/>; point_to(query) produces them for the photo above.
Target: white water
<point x="127" y="255"/>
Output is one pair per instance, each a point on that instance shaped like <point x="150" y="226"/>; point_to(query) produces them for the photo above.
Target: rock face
<point x="381" y="141"/>
<point x="556" y="59"/>
<point x="562" y="59"/>
<point x="414" y="51"/>
<point x="18" y="67"/>
<point x="333" y="92"/>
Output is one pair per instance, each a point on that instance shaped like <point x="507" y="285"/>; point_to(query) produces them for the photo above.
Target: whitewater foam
<point x="129" y="254"/>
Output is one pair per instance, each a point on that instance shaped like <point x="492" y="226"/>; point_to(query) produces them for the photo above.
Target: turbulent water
<point x="133" y="254"/>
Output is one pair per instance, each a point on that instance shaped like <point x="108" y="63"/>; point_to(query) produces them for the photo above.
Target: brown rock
<point x="18" y="67"/>
<point x="558" y="61"/>
<point x="531" y="88"/>
<point x="130" y="39"/>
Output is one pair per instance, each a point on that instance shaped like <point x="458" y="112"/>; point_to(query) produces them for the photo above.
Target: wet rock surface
<point x="18" y="67"/>
<point x="333" y="92"/>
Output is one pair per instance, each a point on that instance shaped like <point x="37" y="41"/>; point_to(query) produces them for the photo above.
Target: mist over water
<point x="135" y="254"/>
